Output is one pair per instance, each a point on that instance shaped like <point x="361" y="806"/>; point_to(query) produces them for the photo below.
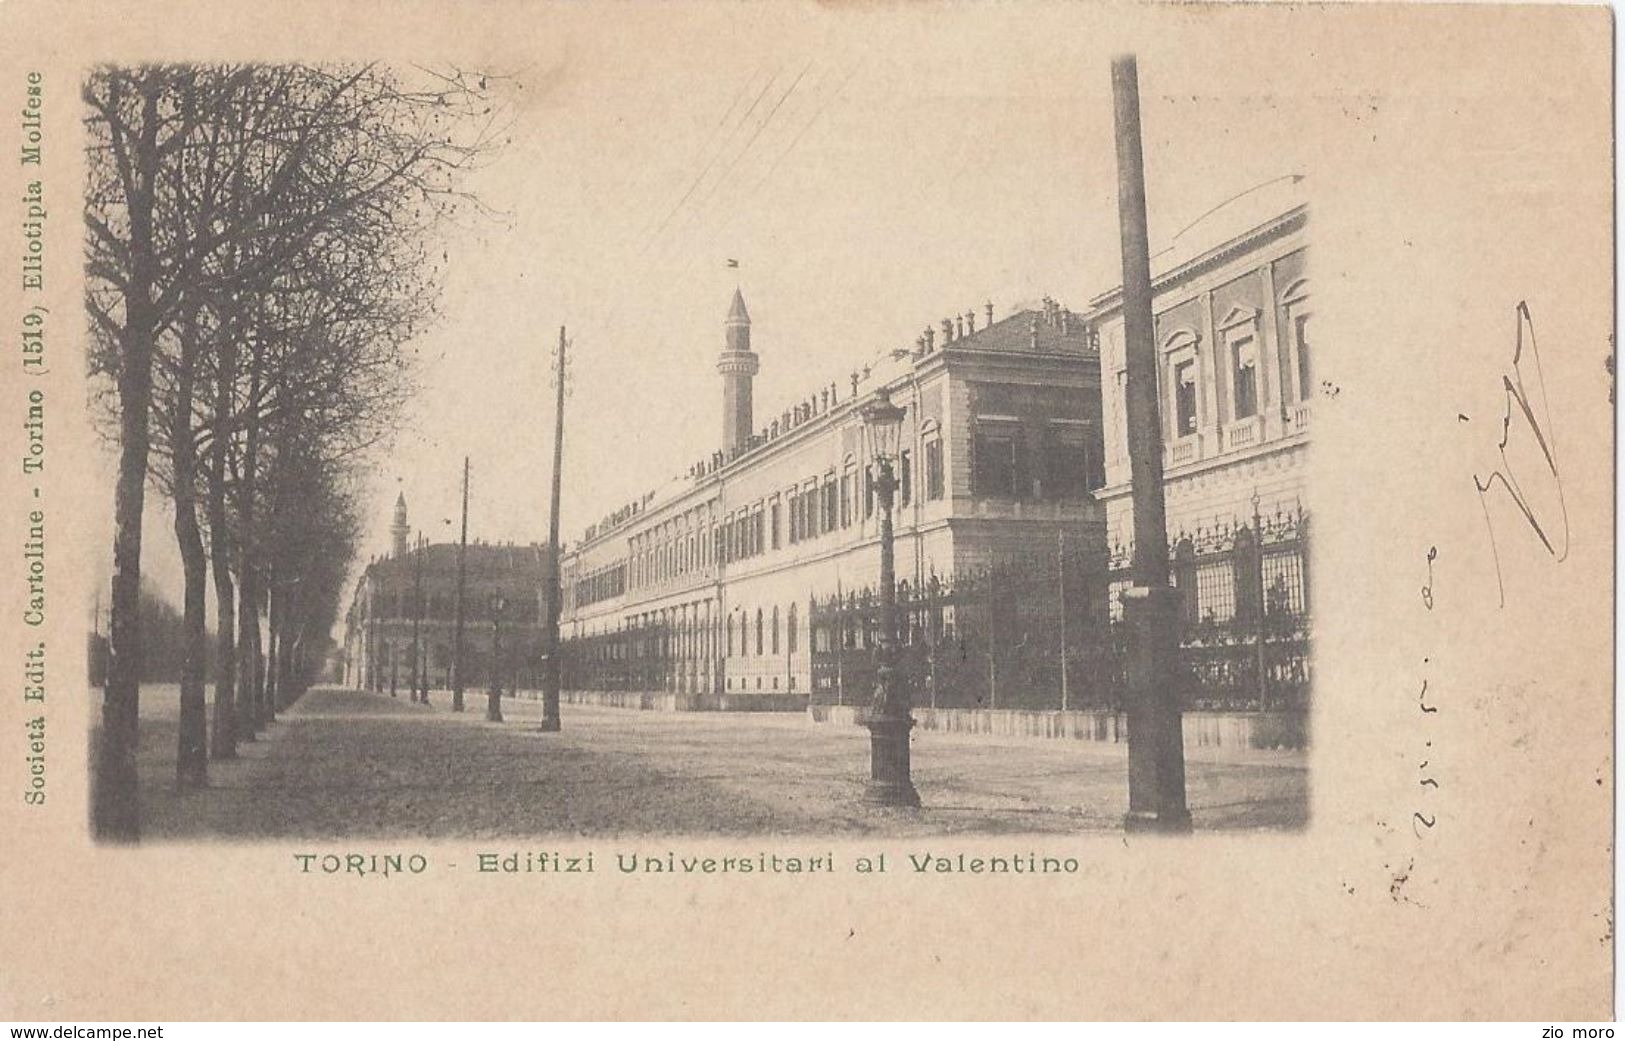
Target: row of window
<point x="1065" y="465"/>
<point x="443" y="607"/>
<point x="1239" y="349"/>
<point x="604" y="584"/>
<point x="765" y="630"/>
<point x="1214" y="590"/>
<point x="743" y="633"/>
<point x="820" y="507"/>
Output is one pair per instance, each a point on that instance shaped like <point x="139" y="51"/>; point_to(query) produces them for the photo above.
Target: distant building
<point x="379" y="625"/>
<point x="703" y="590"/>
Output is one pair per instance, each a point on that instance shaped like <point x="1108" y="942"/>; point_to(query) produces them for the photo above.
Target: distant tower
<point x="399" y="528"/>
<point x="737" y="365"/>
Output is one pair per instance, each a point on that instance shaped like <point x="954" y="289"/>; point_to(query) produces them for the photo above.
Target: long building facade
<point x="706" y="589"/>
<point x="749" y="582"/>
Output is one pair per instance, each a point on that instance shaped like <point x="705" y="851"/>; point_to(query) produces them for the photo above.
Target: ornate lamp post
<point x="493" y="697"/>
<point x="890" y="715"/>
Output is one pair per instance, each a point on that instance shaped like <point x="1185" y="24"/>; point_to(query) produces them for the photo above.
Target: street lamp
<point x="889" y="716"/>
<point x="493" y="697"/>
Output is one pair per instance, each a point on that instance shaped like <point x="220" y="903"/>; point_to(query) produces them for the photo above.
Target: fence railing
<point x="1046" y="631"/>
<point x="1043" y="631"/>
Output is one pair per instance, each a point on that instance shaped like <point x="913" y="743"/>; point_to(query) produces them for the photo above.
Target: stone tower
<point x="737" y="365"/>
<point x="399" y="528"/>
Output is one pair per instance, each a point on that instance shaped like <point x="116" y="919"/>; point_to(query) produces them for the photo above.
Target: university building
<point x="1236" y="384"/>
<point x="704" y="590"/>
<point x="749" y="581"/>
<point x="408" y="600"/>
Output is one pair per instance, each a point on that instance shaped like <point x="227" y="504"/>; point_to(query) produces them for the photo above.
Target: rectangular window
<point x="933" y="469"/>
<point x="998" y="458"/>
<point x="1244" y="361"/>
<point x="1066" y="465"/>
<point x="759" y="535"/>
<point x="773" y="526"/>
<point x="868" y="491"/>
<point x="1185" y="397"/>
<point x="905" y="477"/>
<point x="1300" y="340"/>
<point x="846" y="500"/>
<point x="831" y="505"/>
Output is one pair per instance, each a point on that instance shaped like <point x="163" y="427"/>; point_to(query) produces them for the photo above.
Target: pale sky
<point x="871" y="172"/>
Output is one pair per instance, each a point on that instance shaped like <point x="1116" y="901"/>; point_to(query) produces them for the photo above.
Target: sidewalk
<point x="347" y="764"/>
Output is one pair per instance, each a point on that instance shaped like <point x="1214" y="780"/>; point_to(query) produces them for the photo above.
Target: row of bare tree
<point x="259" y="259"/>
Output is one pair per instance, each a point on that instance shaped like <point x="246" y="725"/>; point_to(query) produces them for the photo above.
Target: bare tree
<point x="230" y="210"/>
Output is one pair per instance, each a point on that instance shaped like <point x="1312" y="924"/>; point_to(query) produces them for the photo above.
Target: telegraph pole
<point x="457" y="633"/>
<point x="417" y="614"/>
<point x="550" y="635"/>
<point x="1156" y="774"/>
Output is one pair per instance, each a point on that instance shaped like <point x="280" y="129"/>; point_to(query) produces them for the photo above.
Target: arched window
<point x="775" y="628"/>
<point x="791" y="631"/>
<point x="730" y="635"/>
<point x="758" y="632"/>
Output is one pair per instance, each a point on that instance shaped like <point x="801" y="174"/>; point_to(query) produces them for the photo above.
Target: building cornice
<point x="1110" y="302"/>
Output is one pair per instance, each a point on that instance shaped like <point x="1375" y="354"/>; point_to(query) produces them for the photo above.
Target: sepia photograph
<point x="1029" y="566"/>
<point x="799" y="511"/>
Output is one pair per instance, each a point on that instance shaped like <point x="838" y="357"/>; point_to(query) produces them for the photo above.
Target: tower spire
<point x="399" y="529"/>
<point x="737" y="365"/>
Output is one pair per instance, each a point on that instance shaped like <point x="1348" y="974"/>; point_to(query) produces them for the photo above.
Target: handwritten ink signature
<point x="1539" y="427"/>
<point x="1420" y="819"/>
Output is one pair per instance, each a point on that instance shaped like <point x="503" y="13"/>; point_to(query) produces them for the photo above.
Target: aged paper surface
<point x="1434" y="840"/>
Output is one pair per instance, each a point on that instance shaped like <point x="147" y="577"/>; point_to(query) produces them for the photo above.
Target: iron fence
<point x="1040" y="631"/>
<point x="1046" y="631"/>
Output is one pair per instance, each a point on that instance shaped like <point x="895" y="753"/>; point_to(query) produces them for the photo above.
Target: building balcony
<point x="1297" y="418"/>
<point x="1244" y="433"/>
<point x="1186" y="449"/>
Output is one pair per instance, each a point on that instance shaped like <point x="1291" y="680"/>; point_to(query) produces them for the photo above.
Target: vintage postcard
<point x="807" y="511"/>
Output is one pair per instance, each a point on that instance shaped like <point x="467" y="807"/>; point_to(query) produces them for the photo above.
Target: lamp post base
<point x="890" y="783"/>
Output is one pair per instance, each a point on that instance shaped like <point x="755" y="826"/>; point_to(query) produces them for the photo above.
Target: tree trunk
<point x="116" y="803"/>
<point x="273" y="615"/>
<point x="249" y="688"/>
<point x="192" y="755"/>
<point x="225" y="648"/>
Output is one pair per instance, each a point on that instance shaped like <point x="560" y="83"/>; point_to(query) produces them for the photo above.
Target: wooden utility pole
<point x="550" y="635"/>
<point x="417" y="617"/>
<point x="1156" y="776"/>
<point x="457" y="632"/>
